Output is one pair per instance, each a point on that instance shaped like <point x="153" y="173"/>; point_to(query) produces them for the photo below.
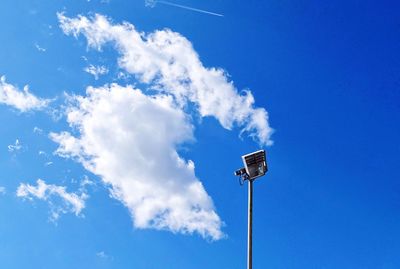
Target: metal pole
<point x="250" y="227"/>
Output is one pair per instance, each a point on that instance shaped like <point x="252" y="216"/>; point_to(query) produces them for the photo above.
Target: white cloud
<point x="21" y="100"/>
<point x="39" y="48"/>
<point x="103" y="255"/>
<point x="15" y="147"/>
<point x="68" y="202"/>
<point x="167" y="61"/>
<point x="150" y="3"/>
<point x="37" y="130"/>
<point x="86" y="182"/>
<point x="129" y="139"/>
<point x="96" y="71"/>
<point x="2" y="190"/>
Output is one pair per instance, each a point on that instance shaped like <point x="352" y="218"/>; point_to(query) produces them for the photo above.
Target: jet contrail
<point x="152" y="3"/>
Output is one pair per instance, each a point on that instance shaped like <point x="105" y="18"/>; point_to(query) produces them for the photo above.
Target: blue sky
<point x="121" y="152"/>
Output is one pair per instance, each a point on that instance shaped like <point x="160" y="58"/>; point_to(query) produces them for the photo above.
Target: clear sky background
<point x="328" y="73"/>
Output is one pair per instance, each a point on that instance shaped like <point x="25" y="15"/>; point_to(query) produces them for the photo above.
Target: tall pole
<point x="250" y="227"/>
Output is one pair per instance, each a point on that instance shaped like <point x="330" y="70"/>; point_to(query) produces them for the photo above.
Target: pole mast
<point x="250" y="226"/>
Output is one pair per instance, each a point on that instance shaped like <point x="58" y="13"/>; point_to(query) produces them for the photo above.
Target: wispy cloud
<point x="37" y="130"/>
<point x="2" y="190"/>
<point x="96" y="71"/>
<point x="22" y="100"/>
<point x="15" y="147"/>
<point x="103" y="255"/>
<point x="39" y="48"/>
<point x="60" y="201"/>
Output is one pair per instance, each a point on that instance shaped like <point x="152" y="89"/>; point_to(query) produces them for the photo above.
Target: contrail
<point x="152" y="3"/>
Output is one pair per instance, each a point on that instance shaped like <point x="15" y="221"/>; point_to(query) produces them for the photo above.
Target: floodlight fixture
<point x="255" y="164"/>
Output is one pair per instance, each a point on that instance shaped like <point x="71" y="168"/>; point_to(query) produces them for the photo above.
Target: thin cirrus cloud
<point x="22" y="100"/>
<point x="137" y="158"/>
<point x="60" y="201"/>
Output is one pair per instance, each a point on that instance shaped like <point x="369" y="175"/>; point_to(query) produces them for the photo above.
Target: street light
<point x="255" y="165"/>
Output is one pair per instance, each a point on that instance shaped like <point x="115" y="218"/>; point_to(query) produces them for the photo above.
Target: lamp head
<point x="255" y="164"/>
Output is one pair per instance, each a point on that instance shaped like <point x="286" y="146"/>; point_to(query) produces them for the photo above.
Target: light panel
<point x="255" y="164"/>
